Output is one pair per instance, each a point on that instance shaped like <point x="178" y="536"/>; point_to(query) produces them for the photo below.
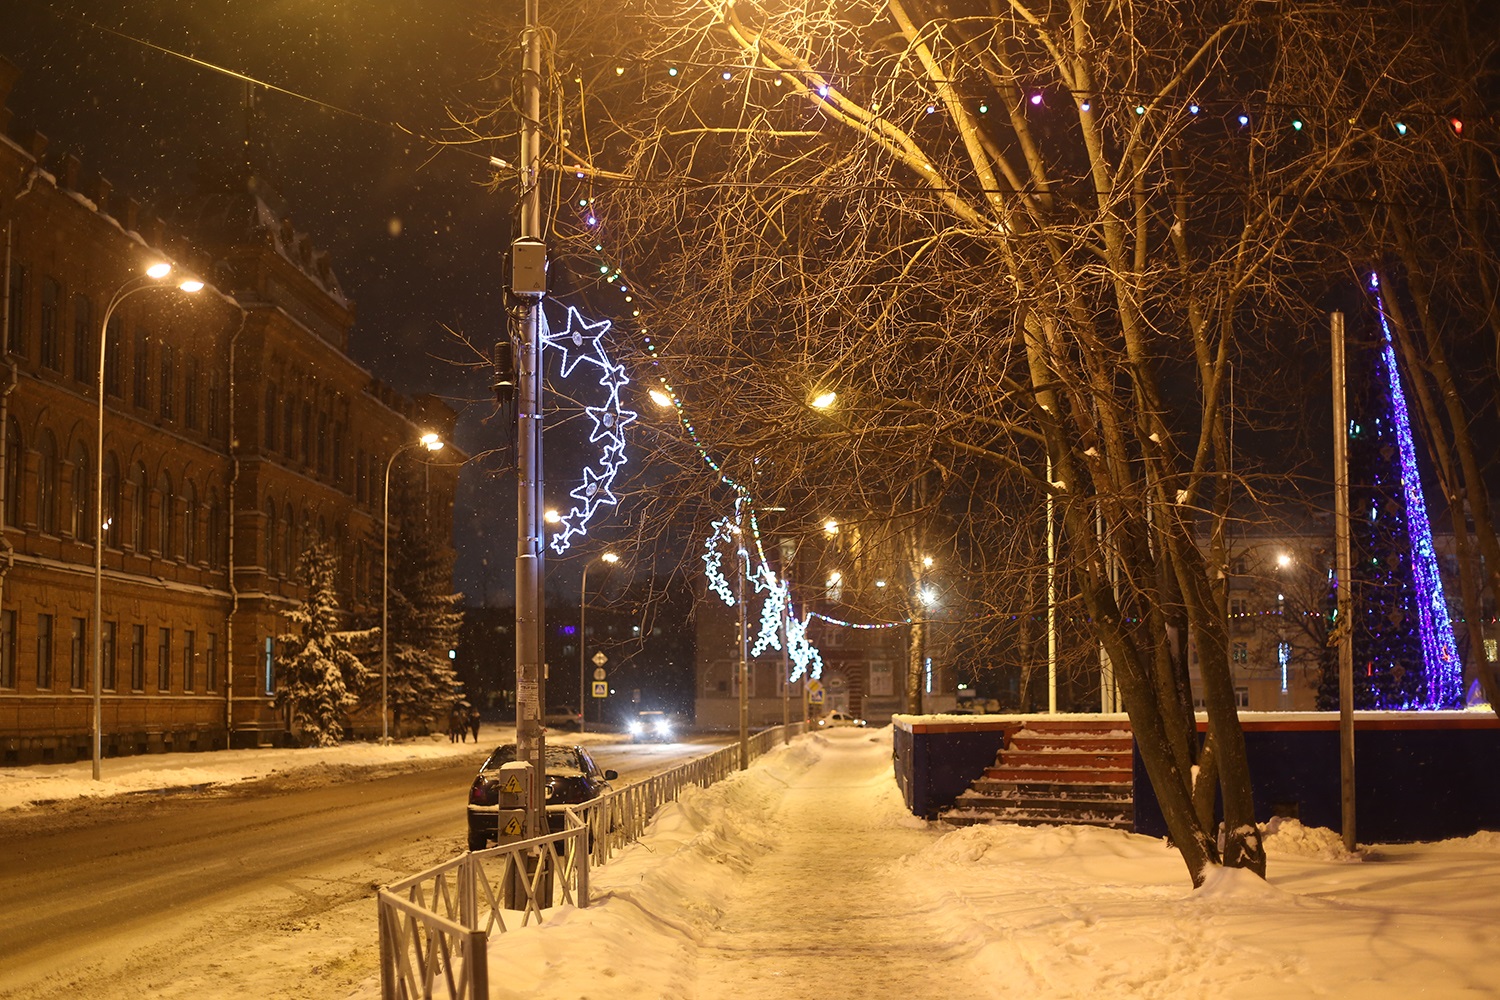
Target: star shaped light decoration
<point x="583" y="342"/>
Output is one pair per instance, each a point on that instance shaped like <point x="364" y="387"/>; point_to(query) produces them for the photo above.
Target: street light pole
<point x="140" y="283"/>
<point x="583" y="595"/>
<point x="432" y="443"/>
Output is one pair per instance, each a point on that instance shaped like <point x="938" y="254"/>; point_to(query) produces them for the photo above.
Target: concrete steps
<point x="1055" y="774"/>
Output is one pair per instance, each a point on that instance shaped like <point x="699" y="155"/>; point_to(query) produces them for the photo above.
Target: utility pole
<point x="1344" y="626"/>
<point x="528" y="280"/>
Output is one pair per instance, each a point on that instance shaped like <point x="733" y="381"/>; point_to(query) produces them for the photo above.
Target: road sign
<point x="816" y="697"/>
<point x="600" y="659"/>
<point x="813" y="684"/>
<point x="599" y="673"/>
<point x="601" y="689"/>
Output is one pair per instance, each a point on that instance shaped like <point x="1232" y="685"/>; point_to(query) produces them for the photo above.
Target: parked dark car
<point x="572" y="777"/>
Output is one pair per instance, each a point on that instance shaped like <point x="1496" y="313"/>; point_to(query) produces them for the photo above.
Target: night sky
<point x="416" y="240"/>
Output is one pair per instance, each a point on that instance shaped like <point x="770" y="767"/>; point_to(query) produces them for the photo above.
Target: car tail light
<point x="484" y="793"/>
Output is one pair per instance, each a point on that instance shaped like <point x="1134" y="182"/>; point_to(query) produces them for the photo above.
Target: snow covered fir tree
<point x="424" y="613"/>
<point x="1405" y="656"/>
<point x="318" y="676"/>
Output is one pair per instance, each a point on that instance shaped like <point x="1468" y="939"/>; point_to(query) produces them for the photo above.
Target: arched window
<point x="273" y="567"/>
<point x="359" y="476"/>
<point x="111" y="518"/>
<point x="288" y="420"/>
<point x="139" y="499"/>
<point x="270" y="416"/>
<point x="166" y="517"/>
<point x="189" y="521"/>
<point x="46" y="483"/>
<point x="217" y="540"/>
<point x="288" y="542"/>
<point x="81" y="521"/>
<point x="307" y="429"/>
<point x="322" y="443"/>
<point x="338" y="454"/>
<point x="15" y="461"/>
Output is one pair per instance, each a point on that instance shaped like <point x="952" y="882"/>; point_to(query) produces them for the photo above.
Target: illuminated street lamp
<point x="432" y="443"/>
<point x="140" y="283"/>
<point x="611" y="558"/>
<point x="824" y="400"/>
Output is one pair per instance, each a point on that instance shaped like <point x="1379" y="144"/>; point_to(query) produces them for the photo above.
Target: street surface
<point x="142" y="895"/>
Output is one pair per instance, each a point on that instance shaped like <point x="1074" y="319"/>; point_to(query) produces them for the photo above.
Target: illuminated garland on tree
<point x="579" y="342"/>
<point x="1444" y="672"/>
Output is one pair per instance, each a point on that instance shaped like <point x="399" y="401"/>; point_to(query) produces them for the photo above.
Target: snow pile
<point x="1289" y="838"/>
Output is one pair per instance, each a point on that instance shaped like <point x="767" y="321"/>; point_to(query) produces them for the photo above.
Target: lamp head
<point x="659" y="398"/>
<point x="824" y="400"/>
<point x="159" y="270"/>
<point x="610" y="557"/>
<point x="190" y="285"/>
<point x="432" y="442"/>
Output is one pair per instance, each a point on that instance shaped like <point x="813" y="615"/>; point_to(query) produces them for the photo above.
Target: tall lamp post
<point x="583" y="594"/>
<point x="140" y="283"/>
<point x="432" y="443"/>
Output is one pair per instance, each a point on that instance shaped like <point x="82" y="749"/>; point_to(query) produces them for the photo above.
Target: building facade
<point x="237" y="433"/>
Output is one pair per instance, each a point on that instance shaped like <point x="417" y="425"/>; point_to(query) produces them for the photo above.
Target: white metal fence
<point x="434" y="926"/>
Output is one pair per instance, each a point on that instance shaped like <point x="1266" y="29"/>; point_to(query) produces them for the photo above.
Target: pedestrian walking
<point x="456" y="725"/>
<point x="474" y="723"/>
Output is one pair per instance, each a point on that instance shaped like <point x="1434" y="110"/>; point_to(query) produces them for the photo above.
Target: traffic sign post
<point x="601" y="689"/>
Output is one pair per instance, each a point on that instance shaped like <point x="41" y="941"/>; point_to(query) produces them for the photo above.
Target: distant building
<point x="237" y="431"/>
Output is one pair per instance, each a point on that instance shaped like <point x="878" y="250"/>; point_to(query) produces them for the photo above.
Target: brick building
<point x="237" y="431"/>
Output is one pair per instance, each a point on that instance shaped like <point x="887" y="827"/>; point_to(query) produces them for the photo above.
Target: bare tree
<point x="1024" y="243"/>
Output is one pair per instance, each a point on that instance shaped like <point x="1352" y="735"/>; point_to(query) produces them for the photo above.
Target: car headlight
<point x="635" y="728"/>
<point x="664" y="728"/>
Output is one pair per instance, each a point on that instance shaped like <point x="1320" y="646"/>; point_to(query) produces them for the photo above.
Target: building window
<point x="15" y="461"/>
<point x="78" y="647"/>
<point x="288" y="543"/>
<point x="166" y="517"/>
<point x="211" y="662"/>
<point x="51" y="343"/>
<point x="268" y="665"/>
<point x="44" y="652"/>
<point x="212" y="405"/>
<point x="164" y="660"/>
<point x="167" y="387"/>
<point x="190" y="394"/>
<point x="1240" y="652"/>
<point x="189" y="643"/>
<point x="81" y="521"/>
<point x="271" y="551"/>
<point x="189" y="522"/>
<point x="139" y="507"/>
<point x="141" y="374"/>
<point x="7" y="649"/>
<point x="83" y="340"/>
<point x="359" y="475"/>
<point x="270" y="416"/>
<point x="114" y="383"/>
<point x="15" y="334"/>
<point x="322" y="443"/>
<point x="307" y="428"/>
<point x="46" y="484"/>
<point x="216" y="536"/>
<point x="110" y="522"/>
<point x="338" y="454"/>
<point x="288" y="420"/>
<point x="137" y="657"/>
<point x="1242" y="697"/>
<point x="107" y="655"/>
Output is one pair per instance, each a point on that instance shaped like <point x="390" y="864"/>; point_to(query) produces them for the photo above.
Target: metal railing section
<point x="435" y="926"/>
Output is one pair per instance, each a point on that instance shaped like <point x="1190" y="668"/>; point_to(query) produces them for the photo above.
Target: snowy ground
<point x="805" y="877"/>
<point x="41" y="784"/>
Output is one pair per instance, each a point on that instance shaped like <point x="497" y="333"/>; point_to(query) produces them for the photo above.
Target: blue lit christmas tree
<point x="1404" y="653"/>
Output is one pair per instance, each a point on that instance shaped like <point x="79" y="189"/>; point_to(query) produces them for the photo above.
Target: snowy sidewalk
<point x="804" y="877"/>
<point x="821" y="915"/>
